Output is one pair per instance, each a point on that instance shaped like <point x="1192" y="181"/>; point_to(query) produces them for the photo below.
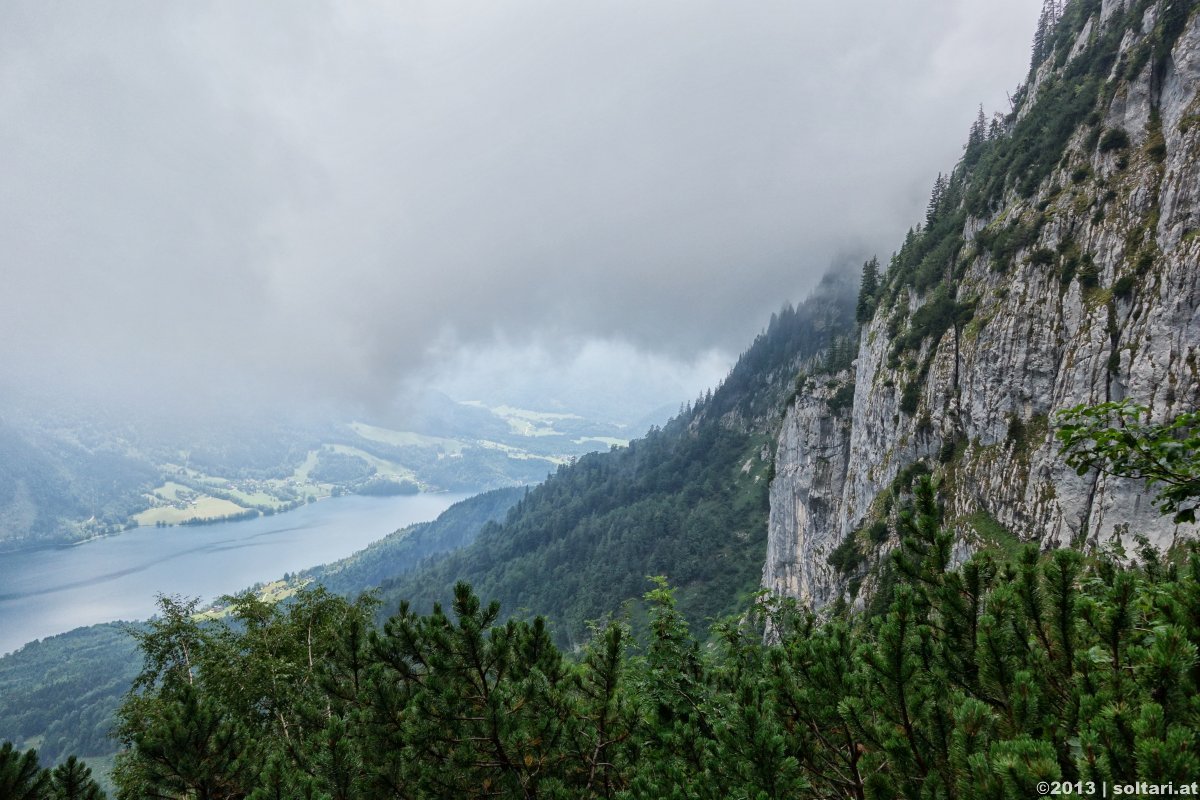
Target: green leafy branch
<point x="1118" y="438"/>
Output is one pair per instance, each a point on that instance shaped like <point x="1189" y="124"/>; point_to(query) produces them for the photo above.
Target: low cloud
<point x="312" y="200"/>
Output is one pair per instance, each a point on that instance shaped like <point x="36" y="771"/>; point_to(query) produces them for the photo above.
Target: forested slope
<point x="60" y="694"/>
<point x="408" y="548"/>
<point x="688" y="501"/>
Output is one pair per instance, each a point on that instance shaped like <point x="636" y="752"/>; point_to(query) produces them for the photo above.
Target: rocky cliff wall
<point x="811" y="464"/>
<point x="1040" y="340"/>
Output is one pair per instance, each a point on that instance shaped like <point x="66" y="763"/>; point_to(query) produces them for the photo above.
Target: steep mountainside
<point x="1057" y="266"/>
<point x="688" y="501"/>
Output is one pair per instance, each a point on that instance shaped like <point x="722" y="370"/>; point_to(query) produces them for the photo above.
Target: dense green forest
<point x="973" y="682"/>
<point x="689" y="500"/>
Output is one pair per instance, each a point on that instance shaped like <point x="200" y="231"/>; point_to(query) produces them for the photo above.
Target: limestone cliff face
<point x="1039" y="341"/>
<point x="811" y="464"/>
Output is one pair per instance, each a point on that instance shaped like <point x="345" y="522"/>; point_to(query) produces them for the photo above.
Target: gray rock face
<point x="1110" y="7"/>
<point x="1034" y="346"/>
<point x="810" y="471"/>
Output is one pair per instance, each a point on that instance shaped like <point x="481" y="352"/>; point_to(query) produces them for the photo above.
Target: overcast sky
<point x="335" y="198"/>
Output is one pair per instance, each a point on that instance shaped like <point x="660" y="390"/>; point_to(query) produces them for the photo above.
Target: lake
<point x="56" y="589"/>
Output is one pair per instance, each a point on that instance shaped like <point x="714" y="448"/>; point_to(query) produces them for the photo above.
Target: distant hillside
<point x="50" y="486"/>
<point x="69" y="472"/>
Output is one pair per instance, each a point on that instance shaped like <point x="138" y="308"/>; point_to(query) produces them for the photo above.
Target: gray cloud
<point x="321" y="196"/>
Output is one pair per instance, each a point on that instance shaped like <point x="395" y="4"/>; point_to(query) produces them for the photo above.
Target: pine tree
<point x="995" y="129"/>
<point x="935" y="199"/>
<point x="600" y="746"/>
<point x="679" y="749"/>
<point x="21" y="777"/>
<point x="754" y="750"/>
<point x="181" y="741"/>
<point x="812" y="672"/>
<point x="1040" y="38"/>
<point x="466" y="708"/>
<point x="976" y="140"/>
<point x="868" y="291"/>
<point x="905" y="701"/>
<point x="1043" y="38"/>
<point x="978" y="128"/>
<point x="72" y="780"/>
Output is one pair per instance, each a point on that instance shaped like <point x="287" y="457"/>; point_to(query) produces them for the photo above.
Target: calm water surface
<point x="53" y="590"/>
